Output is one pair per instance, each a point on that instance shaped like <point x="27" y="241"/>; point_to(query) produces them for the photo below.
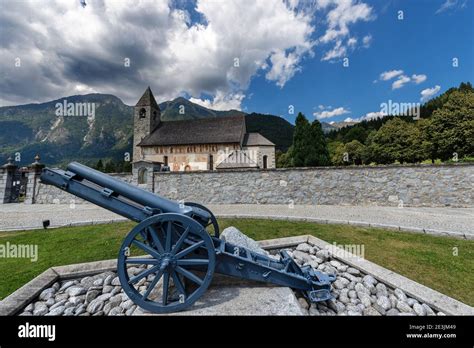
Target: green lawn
<point x="426" y="259"/>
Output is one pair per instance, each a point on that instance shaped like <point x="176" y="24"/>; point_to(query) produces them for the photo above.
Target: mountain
<point x="33" y="129"/>
<point x="328" y="127"/>
<point x="274" y="128"/>
<point x="170" y="110"/>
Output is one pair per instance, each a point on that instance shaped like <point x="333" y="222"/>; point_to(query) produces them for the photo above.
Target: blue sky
<point x="254" y="55"/>
<point x="425" y="42"/>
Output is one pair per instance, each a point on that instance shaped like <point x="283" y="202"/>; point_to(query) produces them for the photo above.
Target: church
<point x="219" y="143"/>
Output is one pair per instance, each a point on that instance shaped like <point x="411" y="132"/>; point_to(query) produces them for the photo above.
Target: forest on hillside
<point x="444" y="132"/>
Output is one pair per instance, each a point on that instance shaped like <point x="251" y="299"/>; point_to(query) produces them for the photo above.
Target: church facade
<point x="219" y="143"/>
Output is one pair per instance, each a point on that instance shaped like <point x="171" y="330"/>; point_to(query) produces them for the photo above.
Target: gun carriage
<point x="178" y="246"/>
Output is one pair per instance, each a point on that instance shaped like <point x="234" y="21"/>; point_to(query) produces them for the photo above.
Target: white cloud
<point x="400" y="82"/>
<point x="284" y="66"/>
<point x="401" y="79"/>
<point x="331" y="113"/>
<point x="338" y="51"/>
<point x="429" y="92"/>
<point x="221" y="101"/>
<point x="366" y="40"/>
<point x="418" y="78"/>
<point x="339" y="18"/>
<point x="388" y="75"/>
<point x="352" y="42"/>
<point x="63" y="45"/>
<point x="449" y="5"/>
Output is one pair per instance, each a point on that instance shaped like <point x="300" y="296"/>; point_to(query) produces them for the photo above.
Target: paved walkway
<point x="458" y="221"/>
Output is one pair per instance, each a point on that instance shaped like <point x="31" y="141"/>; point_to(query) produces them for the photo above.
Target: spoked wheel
<point x="212" y="222"/>
<point x="177" y="268"/>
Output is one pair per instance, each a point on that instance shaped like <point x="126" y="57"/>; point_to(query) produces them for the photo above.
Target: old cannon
<point x="173" y="248"/>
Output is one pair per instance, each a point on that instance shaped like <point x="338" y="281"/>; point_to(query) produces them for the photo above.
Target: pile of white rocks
<point x="354" y="293"/>
<point x="97" y="295"/>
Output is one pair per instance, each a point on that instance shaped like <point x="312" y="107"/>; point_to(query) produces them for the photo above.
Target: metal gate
<point x="19" y="182"/>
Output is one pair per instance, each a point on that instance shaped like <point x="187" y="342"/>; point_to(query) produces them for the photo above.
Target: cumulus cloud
<point x="418" y="78"/>
<point x="331" y="113"/>
<point x="366" y="40"/>
<point x="339" y="18"/>
<point x="400" y="82"/>
<point x="338" y="51"/>
<point x="388" y="75"/>
<point x="69" y="49"/>
<point x="401" y="79"/>
<point x="429" y="92"/>
<point x="221" y="101"/>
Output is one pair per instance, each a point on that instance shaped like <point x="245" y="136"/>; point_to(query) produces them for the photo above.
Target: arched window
<point x="142" y="113"/>
<point x="142" y="176"/>
<point x="265" y="160"/>
<point x="154" y="115"/>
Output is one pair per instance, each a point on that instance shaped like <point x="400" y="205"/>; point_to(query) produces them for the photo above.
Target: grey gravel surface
<point x="459" y="220"/>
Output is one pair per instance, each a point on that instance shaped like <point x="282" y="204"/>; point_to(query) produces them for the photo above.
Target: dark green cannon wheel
<point x="213" y="221"/>
<point x="177" y="267"/>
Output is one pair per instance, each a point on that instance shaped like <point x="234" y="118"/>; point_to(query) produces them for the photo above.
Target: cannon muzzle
<point x="130" y="192"/>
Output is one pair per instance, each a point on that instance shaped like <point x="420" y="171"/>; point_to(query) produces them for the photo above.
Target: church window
<point x="142" y="113"/>
<point x="154" y="115"/>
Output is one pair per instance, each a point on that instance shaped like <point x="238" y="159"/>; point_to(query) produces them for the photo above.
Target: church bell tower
<point x="147" y="117"/>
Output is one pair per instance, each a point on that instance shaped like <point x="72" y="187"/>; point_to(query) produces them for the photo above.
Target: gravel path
<point x="455" y="220"/>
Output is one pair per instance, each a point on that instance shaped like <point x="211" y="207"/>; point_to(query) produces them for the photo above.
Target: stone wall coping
<point x="353" y="167"/>
<point x="28" y="292"/>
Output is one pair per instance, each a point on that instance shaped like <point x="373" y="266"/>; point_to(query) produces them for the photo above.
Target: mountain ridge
<point x="33" y="128"/>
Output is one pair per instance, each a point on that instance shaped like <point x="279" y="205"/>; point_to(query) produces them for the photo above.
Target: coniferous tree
<point x="301" y="141"/>
<point x="318" y="154"/>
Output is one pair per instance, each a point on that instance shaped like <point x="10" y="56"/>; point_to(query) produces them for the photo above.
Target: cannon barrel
<point x="130" y="192"/>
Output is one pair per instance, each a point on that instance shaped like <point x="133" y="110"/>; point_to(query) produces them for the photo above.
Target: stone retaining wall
<point x="417" y="186"/>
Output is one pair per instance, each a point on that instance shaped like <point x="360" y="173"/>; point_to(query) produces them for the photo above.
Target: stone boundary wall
<point x="416" y="186"/>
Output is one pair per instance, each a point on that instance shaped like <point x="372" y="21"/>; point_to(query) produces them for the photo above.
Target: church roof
<point x="218" y="130"/>
<point x="148" y="99"/>
<point x="256" y="139"/>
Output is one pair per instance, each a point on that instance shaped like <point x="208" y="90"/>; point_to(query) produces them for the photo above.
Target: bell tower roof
<point x="148" y="99"/>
